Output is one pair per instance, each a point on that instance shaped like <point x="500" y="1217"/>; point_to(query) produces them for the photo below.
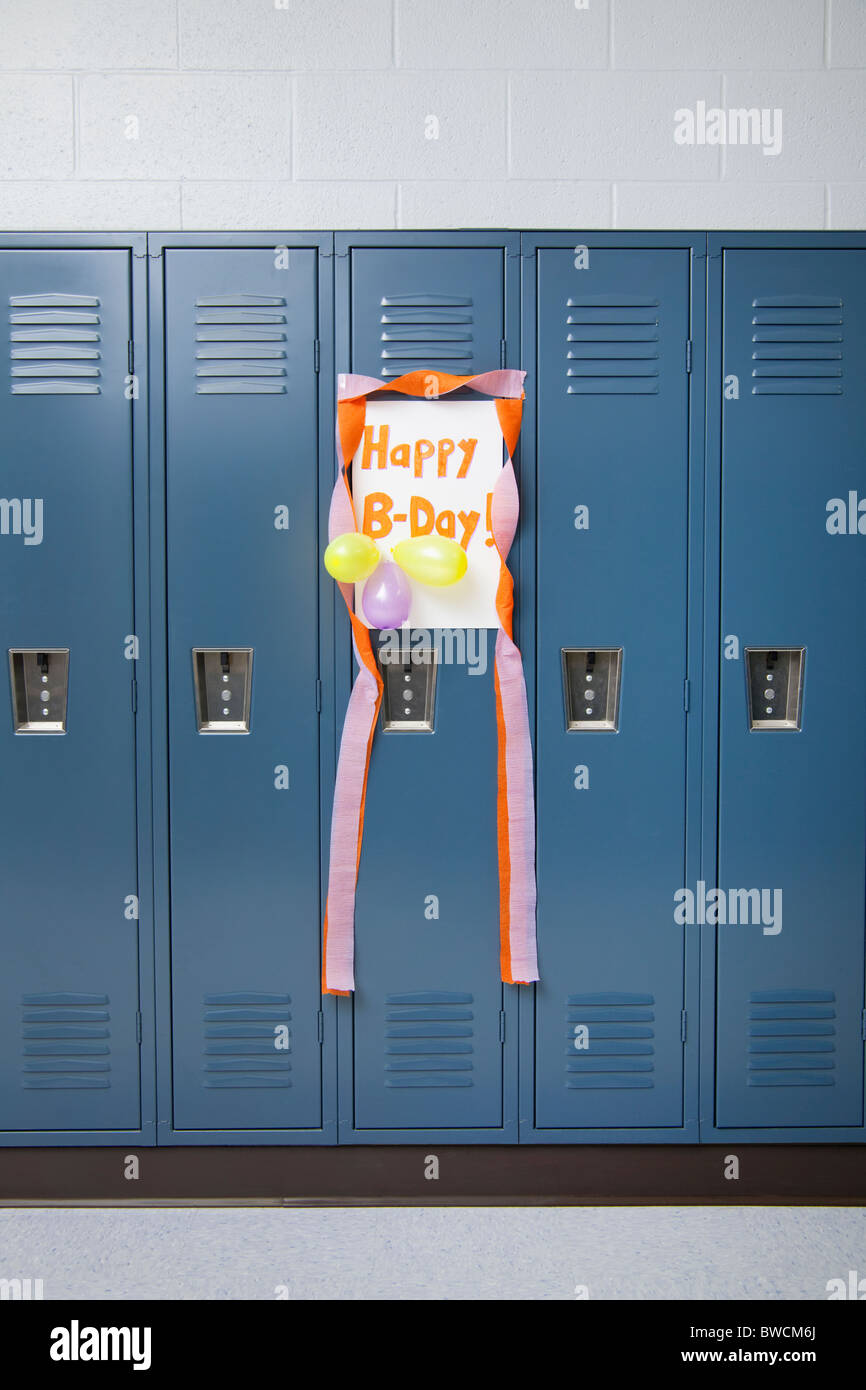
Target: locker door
<point x="69" y="1059"/>
<point x="612" y="437"/>
<point x="242" y="575"/>
<point x="792" y="802"/>
<point x="426" y="1033"/>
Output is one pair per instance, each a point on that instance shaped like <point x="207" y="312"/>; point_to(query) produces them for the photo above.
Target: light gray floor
<point x="434" y="1253"/>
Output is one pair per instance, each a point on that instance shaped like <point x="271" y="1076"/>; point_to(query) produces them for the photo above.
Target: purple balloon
<point x="387" y="596"/>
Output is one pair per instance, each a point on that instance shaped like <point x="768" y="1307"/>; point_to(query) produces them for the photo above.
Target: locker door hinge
<point x="318" y="697"/>
<point x="317" y="355"/>
<point x="688" y="354"/>
<point x="683" y="1025"/>
<point x="138" y="1028"/>
<point x="320" y="1027"/>
<point x="502" y="1025"/>
<point x="502" y="352"/>
<point x="863" y="1025"/>
<point x="130" y="356"/>
<point x="135" y="697"/>
<point x="687" y="694"/>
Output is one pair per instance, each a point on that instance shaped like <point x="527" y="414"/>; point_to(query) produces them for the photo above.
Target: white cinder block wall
<point x="426" y="113"/>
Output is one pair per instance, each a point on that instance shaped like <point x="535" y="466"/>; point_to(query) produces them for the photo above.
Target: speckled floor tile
<point x="434" y="1253"/>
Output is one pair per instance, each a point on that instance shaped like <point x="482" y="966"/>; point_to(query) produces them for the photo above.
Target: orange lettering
<point x="423" y="450"/>
<point x="417" y="506"/>
<point x="377" y="522"/>
<point x="445" y="524"/>
<point x="400" y="456"/>
<point x="468" y="520"/>
<point x="468" y="447"/>
<point x="446" y="448"/>
<point x="380" y="447"/>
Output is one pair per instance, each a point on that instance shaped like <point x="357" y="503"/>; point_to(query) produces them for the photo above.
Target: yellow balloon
<point x="351" y="557"/>
<point x="432" y="560"/>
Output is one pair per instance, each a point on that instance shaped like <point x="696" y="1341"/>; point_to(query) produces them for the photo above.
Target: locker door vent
<point x="615" y="1052"/>
<point x="790" y="1035"/>
<point x="426" y="330"/>
<point x="798" y="346"/>
<point x="54" y="345"/>
<point x="428" y="1039"/>
<point x="65" y="1042"/>
<point x="246" y="1041"/>
<point x="613" y="346"/>
<point x="238" y="345"/>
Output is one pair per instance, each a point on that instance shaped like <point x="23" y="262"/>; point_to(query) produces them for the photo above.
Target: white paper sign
<point x="429" y="468"/>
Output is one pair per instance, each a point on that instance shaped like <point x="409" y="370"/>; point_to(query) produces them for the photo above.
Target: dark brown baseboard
<point x="471" y="1175"/>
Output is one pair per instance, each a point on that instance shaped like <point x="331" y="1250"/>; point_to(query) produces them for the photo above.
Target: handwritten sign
<point x="429" y="468"/>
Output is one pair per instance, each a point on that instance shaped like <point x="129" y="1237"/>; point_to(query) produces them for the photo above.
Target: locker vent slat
<point x="64" y="1037"/>
<point x="239" y="369"/>
<point x="790" y="1038"/>
<point x="619" y="1054"/>
<point x="612" y="346"/>
<point x="426" y="330"/>
<point x="797" y="346"/>
<point x="57" y="366"/>
<point x="428" y="1039"/>
<point x="241" y="1033"/>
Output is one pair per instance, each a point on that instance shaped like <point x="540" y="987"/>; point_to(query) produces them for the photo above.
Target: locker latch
<point x="591" y="682"/>
<point x="40" y="682"/>
<point x="409" y="694"/>
<point x="774" y="681"/>
<point x="223" y="682"/>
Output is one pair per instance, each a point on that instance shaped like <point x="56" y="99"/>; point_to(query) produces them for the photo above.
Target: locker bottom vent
<point x="791" y="1037"/>
<point x="65" y="1042"/>
<point x="247" y="1041"/>
<point x="428" y="1039"/>
<point x="610" y="1041"/>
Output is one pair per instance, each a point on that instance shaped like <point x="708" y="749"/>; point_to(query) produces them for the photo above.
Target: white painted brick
<point x="480" y="34"/>
<point x="285" y="205"/>
<point x="88" y="34"/>
<point x="505" y="203"/>
<point x="711" y="34"/>
<point x="823" y="119"/>
<point x="190" y="126"/>
<point x="847" y="207"/>
<point x="306" y="34"/>
<point x="607" y="126"/>
<point x="354" y="126"/>
<point x="79" y="205"/>
<point x="714" y="206"/>
<point x="848" y="34"/>
<point x="35" y="127"/>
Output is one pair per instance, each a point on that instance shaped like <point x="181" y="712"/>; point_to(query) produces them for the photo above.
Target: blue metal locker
<point x="429" y="1040"/>
<point x="789" y="991"/>
<point x="611" y="369"/>
<point x="242" y="368"/>
<point x="695" y="673"/>
<point x="70" y="1020"/>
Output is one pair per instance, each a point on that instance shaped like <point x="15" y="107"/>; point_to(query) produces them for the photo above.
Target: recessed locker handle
<point x="774" y="687"/>
<point x="591" y="688"/>
<point x="409" y="690"/>
<point x="39" y="678"/>
<point x="223" y="687"/>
